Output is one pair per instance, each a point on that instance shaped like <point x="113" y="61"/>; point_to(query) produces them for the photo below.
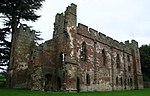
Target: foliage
<point x="25" y="92"/>
<point x="4" y="47"/>
<point x="12" y="12"/>
<point x="2" y="76"/>
<point x="145" y="61"/>
<point x="15" y="10"/>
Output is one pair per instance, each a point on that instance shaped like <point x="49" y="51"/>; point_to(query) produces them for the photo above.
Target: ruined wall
<point x="77" y="58"/>
<point x="18" y="73"/>
<point x="45" y="73"/>
<point x="65" y="55"/>
<point x="101" y="77"/>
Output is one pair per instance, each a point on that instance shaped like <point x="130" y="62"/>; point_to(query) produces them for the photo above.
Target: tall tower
<point x="64" y="37"/>
<point x="138" y="82"/>
<point x="21" y="58"/>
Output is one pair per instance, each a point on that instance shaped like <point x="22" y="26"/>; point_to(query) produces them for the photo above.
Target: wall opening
<point x="83" y="51"/>
<point x="62" y="57"/>
<point x="131" y="82"/>
<point x="48" y="78"/>
<point x="103" y="57"/>
<point x="58" y="84"/>
<point x="117" y="81"/>
<point x="125" y="84"/>
<point x="118" y="61"/>
<point x="88" y="79"/>
<point x="129" y="68"/>
<point x="78" y="84"/>
<point x="128" y="58"/>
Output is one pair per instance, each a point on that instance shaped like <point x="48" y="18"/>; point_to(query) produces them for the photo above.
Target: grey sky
<point x="120" y="19"/>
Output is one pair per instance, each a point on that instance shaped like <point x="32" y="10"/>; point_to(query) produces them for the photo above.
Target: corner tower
<point x="137" y="65"/>
<point x="18" y="70"/>
<point x="65" y="45"/>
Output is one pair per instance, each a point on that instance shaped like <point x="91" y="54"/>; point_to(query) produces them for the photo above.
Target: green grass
<point x="25" y="92"/>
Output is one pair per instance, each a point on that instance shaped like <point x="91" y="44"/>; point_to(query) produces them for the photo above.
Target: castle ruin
<point x="77" y="58"/>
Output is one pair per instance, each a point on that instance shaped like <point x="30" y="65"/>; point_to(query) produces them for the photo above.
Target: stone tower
<point x="137" y="65"/>
<point x="20" y="59"/>
<point x="64" y="32"/>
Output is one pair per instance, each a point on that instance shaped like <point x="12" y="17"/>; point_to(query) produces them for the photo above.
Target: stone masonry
<point x="77" y="58"/>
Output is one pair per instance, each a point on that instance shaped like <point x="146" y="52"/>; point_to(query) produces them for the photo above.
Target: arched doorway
<point x="59" y="83"/>
<point x="48" y="78"/>
<point x="78" y="84"/>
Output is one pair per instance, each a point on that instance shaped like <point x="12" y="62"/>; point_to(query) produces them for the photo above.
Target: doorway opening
<point x="59" y="83"/>
<point x="78" y="84"/>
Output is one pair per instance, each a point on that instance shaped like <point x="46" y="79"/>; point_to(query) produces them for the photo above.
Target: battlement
<point x="100" y="37"/>
<point x="61" y="59"/>
<point x="68" y="18"/>
<point x="25" y="31"/>
<point x="71" y="9"/>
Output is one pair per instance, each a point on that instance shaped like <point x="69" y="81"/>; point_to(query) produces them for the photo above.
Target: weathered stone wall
<point x="78" y="58"/>
<point x="18" y="73"/>
<point x="107" y="77"/>
<point x="72" y="72"/>
<point x="45" y="72"/>
<point x="104" y="75"/>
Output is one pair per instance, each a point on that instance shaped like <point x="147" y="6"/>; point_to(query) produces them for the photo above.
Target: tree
<point x="16" y="10"/>
<point x="4" y="48"/>
<point x="145" y="61"/>
<point x="13" y="11"/>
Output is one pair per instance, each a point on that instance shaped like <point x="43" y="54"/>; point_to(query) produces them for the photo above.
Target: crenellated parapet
<point x="58" y="64"/>
<point x="25" y="33"/>
<point x="100" y="37"/>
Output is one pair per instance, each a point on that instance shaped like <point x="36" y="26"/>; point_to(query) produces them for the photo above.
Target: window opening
<point x="118" y="61"/>
<point x="83" y="51"/>
<point x="88" y="79"/>
<point x="103" y="57"/>
<point x="62" y="57"/>
<point x="117" y="81"/>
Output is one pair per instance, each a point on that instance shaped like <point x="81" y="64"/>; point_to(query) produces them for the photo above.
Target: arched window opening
<point x="48" y="79"/>
<point x="78" y="84"/>
<point x="88" y="79"/>
<point x="83" y="51"/>
<point x="129" y="68"/>
<point x="117" y="81"/>
<point x="118" y="61"/>
<point x="58" y="83"/>
<point x="131" y="82"/>
<point x="121" y="81"/>
<point x="103" y="57"/>
<point x="62" y="57"/>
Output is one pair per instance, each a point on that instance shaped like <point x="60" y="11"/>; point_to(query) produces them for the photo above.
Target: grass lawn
<point x="24" y="92"/>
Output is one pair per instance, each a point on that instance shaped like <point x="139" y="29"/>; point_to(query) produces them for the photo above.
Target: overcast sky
<point x="120" y="19"/>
